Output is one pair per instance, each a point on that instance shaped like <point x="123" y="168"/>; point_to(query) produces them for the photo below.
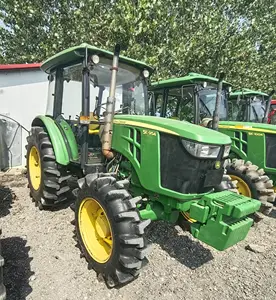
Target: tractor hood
<point x="248" y="126"/>
<point x="175" y="127"/>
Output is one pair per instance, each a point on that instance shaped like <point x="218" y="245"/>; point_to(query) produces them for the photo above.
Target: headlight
<point x="95" y="59"/>
<point x="227" y="149"/>
<point x="201" y="150"/>
<point x="146" y="73"/>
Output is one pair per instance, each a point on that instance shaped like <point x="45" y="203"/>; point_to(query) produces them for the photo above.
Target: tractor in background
<point x="132" y="168"/>
<point x="252" y="163"/>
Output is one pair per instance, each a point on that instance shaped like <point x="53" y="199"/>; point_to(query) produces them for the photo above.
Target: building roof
<point x="19" y="66"/>
<point x="74" y="54"/>
<point x="188" y="79"/>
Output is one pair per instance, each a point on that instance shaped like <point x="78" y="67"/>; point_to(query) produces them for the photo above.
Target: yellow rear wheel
<point x="47" y="179"/>
<point x="95" y="230"/>
<point x="35" y="168"/>
<point x="242" y="186"/>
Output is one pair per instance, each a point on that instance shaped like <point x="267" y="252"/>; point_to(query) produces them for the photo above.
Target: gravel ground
<point x="42" y="262"/>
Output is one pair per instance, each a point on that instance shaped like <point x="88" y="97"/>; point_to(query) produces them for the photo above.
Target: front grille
<point x="270" y="150"/>
<point x="183" y="173"/>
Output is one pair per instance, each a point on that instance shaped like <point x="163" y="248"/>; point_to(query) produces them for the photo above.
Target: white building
<point x="23" y="95"/>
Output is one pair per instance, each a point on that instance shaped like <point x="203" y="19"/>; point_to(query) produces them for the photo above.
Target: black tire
<point x="260" y="186"/>
<point x="53" y="187"/>
<point x="129" y="248"/>
<point x="2" y="287"/>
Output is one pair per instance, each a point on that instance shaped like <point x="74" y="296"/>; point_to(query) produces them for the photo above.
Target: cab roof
<point x="77" y="53"/>
<point x="247" y="92"/>
<point x="190" y="78"/>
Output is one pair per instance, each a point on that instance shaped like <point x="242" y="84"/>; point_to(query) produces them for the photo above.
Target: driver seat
<point x="94" y="128"/>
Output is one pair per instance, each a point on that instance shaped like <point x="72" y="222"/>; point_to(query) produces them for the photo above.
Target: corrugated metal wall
<point x="23" y="95"/>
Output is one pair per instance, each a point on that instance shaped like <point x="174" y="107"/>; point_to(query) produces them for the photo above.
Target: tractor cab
<point x="191" y="98"/>
<point x="79" y="84"/>
<point x="246" y="105"/>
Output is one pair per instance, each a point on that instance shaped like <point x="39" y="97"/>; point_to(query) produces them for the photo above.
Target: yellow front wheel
<point x="109" y="230"/>
<point x="95" y="230"/>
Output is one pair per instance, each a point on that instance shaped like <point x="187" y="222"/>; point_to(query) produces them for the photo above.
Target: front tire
<point x="47" y="179"/>
<point x="109" y="229"/>
<point x="252" y="182"/>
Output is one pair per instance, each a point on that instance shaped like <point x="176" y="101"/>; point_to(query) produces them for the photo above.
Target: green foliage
<point x="176" y="36"/>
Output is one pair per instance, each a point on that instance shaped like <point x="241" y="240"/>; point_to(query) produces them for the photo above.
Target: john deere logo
<point x="217" y="164"/>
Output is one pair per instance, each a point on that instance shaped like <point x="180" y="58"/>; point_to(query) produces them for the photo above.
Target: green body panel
<point x="181" y="128"/>
<point x="188" y="79"/>
<point x="244" y="92"/>
<point x="222" y="220"/>
<point x="58" y="142"/>
<point x="148" y="128"/>
<point x="249" y="142"/>
<point x="76" y="53"/>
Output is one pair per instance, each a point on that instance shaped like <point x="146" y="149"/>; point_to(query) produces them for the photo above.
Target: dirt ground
<point x="42" y="262"/>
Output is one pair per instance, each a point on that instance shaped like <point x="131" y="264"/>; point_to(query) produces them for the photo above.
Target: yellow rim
<point x="95" y="230"/>
<point x="35" y="168"/>
<point x="242" y="186"/>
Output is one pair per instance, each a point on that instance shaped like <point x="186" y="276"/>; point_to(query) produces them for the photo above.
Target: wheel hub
<point x="101" y="225"/>
<point x="95" y="230"/>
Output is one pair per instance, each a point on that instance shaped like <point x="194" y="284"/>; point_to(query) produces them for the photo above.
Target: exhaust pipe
<point x="218" y="100"/>
<point x="268" y="104"/>
<point x="110" y="105"/>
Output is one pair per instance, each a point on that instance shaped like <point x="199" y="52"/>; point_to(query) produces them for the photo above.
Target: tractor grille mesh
<point x="182" y="172"/>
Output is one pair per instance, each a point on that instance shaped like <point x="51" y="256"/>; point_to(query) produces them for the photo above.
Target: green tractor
<point x="252" y="163"/>
<point x="132" y="168"/>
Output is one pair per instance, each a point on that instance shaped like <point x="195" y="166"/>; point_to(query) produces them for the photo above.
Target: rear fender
<point x="61" y="152"/>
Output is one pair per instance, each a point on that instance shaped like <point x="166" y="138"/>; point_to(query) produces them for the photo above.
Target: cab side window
<point x="180" y="104"/>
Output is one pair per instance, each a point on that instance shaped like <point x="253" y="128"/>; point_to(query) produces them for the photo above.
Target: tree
<point x="176" y="36"/>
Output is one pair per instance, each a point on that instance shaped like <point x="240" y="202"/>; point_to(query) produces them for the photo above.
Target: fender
<point x="61" y="141"/>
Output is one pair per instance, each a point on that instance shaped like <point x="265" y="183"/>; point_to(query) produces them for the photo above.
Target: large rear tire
<point x="47" y="179"/>
<point x="252" y="182"/>
<point x="109" y="229"/>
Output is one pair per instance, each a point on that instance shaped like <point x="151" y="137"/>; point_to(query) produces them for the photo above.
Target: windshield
<point x="131" y="89"/>
<point x="238" y="109"/>
<point x="207" y="102"/>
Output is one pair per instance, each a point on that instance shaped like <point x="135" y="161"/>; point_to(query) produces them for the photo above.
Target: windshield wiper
<point x="204" y="105"/>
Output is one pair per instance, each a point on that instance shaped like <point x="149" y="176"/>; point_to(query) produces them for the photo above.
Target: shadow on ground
<point x="6" y="198"/>
<point x="181" y="247"/>
<point x="17" y="271"/>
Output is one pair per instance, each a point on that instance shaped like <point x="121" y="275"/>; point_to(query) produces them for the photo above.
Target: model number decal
<point x="149" y="132"/>
<point x="255" y="133"/>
